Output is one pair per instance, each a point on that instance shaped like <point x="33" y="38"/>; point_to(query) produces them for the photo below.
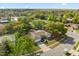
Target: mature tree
<point x="55" y="28"/>
<point x="2" y="29"/>
<point x="51" y="17"/>
<point x="64" y="17"/>
<point x="38" y="24"/>
<point x="23" y="45"/>
<point x="7" y="47"/>
<point x="22" y="26"/>
<point x="75" y="19"/>
<point x="2" y="52"/>
<point x="11" y="27"/>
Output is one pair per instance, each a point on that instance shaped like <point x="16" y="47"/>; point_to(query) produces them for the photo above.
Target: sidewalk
<point x="43" y="47"/>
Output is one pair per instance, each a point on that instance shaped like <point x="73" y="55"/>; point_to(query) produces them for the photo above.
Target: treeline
<point x="32" y="12"/>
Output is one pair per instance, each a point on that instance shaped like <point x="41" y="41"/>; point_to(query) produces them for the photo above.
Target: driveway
<point x="73" y="35"/>
<point x="43" y="47"/>
<point x="59" y="50"/>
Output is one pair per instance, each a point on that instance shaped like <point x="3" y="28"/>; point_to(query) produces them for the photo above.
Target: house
<point x="4" y="20"/>
<point x="37" y="35"/>
<point x="69" y="20"/>
<point x="75" y="26"/>
<point x="14" y="18"/>
<point x="68" y="25"/>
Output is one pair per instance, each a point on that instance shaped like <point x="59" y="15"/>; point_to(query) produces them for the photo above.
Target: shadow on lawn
<point x="68" y="40"/>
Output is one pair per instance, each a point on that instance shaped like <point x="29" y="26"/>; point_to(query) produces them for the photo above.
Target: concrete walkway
<point x="43" y="47"/>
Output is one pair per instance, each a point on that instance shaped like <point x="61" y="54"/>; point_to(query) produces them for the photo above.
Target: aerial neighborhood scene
<point x="39" y="32"/>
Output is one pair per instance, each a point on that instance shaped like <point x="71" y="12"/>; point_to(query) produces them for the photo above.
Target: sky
<point x="39" y="5"/>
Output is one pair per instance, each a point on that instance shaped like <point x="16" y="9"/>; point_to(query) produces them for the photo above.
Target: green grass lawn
<point x="77" y="31"/>
<point x="36" y="47"/>
<point x="54" y="42"/>
<point x="50" y="42"/>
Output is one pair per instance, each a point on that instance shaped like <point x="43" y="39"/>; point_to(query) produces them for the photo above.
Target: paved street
<point x="59" y="50"/>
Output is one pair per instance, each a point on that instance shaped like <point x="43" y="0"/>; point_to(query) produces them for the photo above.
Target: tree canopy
<point x="55" y="28"/>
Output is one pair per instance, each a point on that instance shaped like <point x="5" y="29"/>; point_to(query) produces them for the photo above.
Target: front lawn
<point x="36" y="47"/>
<point x="54" y="42"/>
<point x="50" y="42"/>
<point x="77" y="31"/>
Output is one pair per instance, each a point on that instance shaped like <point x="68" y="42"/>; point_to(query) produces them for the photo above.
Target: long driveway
<point x="59" y="50"/>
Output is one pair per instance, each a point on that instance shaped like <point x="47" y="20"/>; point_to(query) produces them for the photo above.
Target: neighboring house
<point x="75" y="26"/>
<point x="37" y="35"/>
<point x="69" y="20"/>
<point x="68" y="24"/>
<point x="14" y="18"/>
<point x="4" y="20"/>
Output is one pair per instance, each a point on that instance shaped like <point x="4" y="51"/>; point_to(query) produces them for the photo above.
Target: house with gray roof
<point x="4" y="20"/>
<point x="37" y="35"/>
